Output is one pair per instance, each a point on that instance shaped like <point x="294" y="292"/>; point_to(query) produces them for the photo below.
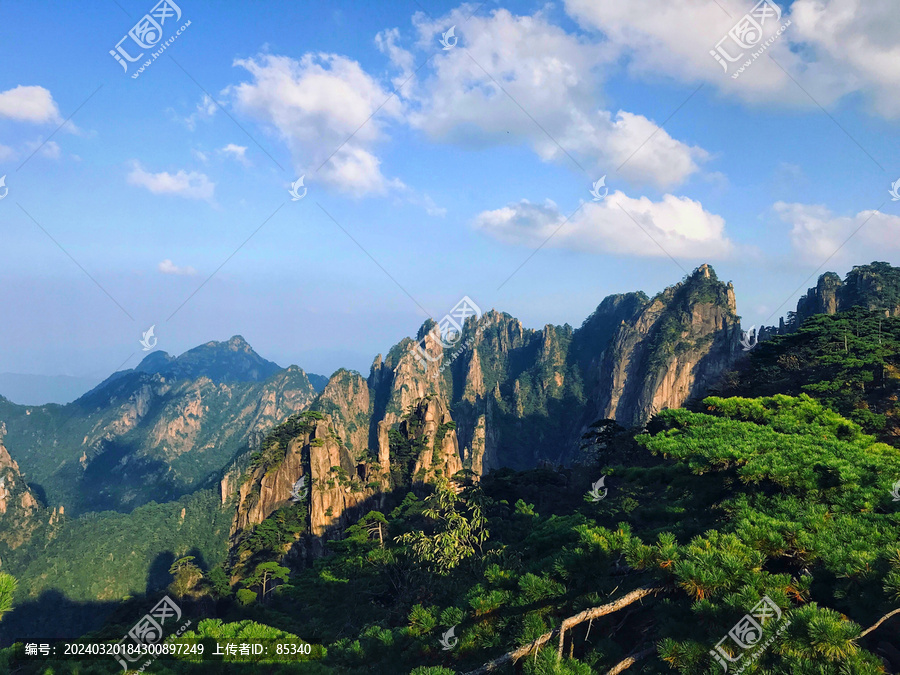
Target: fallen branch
<point x="595" y="612"/>
<point x="631" y="660"/>
<point x="586" y="615"/>
<point x="879" y="622"/>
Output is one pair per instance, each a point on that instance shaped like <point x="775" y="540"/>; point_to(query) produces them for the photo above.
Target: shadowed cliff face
<point x="521" y="396"/>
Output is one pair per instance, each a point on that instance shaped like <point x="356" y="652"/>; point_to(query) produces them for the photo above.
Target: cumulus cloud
<point x="679" y="225"/>
<point x="191" y="185"/>
<point x="314" y="105"/>
<point x="29" y="104"/>
<point x="833" y="47"/>
<point x="237" y="152"/>
<point x="168" y="267"/>
<point x="818" y="234"/>
<point x="474" y="96"/>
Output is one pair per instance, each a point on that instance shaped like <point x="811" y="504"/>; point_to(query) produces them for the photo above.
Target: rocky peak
<point x="18" y="506"/>
<point x="875" y="286"/>
<point x="230" y="361"/>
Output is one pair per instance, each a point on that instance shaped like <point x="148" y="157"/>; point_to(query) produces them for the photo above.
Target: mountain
<point x="20" y="511"/>
<point x="317" y="381"/>
<point x="231" y="361"/>
<point x="875" y="286"/>
<point x="155" y="432"/>
<point x="501" y="396"/>
<point x="39" y="389"/>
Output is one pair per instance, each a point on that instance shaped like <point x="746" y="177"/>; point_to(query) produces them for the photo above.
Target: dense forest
<point x="755" y="530"/>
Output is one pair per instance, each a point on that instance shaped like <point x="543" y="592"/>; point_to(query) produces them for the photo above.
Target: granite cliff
<point x="496" y="394"/>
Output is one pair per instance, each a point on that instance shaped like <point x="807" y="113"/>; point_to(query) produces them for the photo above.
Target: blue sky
<point x="152" y="185"/>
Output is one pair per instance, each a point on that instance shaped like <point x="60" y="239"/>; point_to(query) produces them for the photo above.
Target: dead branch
<point x="586" y="615"/>
<point x="631" y="660"/>
<point x="595" y="612"/>
<point x="879" y="622"/>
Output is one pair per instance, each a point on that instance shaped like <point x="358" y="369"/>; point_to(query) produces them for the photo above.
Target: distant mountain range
<point x="30" y="389"/>
<point x="156" y="431"/>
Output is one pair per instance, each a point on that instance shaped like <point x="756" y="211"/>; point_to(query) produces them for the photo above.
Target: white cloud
<point x="553" y="75"/>
<point x="168" y="267"/>
<point x="191" y="185"/>
<point x="678" y="224"/>
<point x="50" y="149"/>
<point x="7" y="153"/>
<point x="237" y="152"/>
<point x="817" y="233"/>
<point x="315" y="104"/>
<point x="199" y="155"/>
<point x="29" y="104"/>
<point x="833" y="47"/>
<point x="204" y="111"/>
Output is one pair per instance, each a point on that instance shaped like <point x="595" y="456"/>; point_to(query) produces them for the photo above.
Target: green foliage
<point x="111" y="555"/>
<point x="268" y="539"/>
<point x="458" y="529"/>
<point x="850" y="361"/>
<point x="265" y="574"/>
<point x="218" y="582"/>
<point x="8" y="586"/>
<point x="245" y="596"/>
<point x="187" y="576"/>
